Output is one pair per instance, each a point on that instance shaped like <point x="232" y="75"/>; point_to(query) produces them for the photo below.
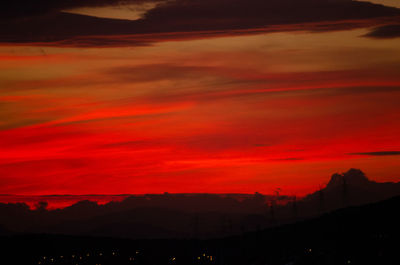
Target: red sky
<point x="227" y="113"/>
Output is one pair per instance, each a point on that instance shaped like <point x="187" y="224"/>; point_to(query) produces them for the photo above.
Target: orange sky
<point x="224" y="114"/>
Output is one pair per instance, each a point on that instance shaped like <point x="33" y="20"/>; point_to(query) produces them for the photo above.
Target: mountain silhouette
<point x="354" y="177"/>
<point x="193" y="215"/>
<point x="351" y="188"/>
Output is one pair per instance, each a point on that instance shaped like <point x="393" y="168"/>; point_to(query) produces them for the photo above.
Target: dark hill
<point x="355" y="235"/>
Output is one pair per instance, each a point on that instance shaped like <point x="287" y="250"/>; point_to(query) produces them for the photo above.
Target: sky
<point x="197" y="96"/>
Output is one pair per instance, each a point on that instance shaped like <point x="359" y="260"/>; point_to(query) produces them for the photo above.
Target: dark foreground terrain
<point x="200" y="216"/>
<point x="366" y="234"/>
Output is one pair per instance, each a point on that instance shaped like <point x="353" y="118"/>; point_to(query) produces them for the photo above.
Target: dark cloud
<point x="380" y="153"/>
<point x="192" y="15"/>
<point x="181" y="19"/>
<point x="385" y="32"/>
<point x="12" y="9"/>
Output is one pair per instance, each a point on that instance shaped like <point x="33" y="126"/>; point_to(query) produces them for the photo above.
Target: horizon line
<point x="143" y="194"/>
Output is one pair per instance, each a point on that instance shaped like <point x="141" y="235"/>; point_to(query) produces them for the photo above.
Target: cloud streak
<point x="385" y="32"/>
<point x="379" y="153"/>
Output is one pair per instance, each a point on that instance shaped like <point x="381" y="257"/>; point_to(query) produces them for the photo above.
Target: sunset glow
<point x="215" y="113"/>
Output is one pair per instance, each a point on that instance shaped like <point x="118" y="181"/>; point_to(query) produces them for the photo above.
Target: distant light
<point x="101" y="254"/>
<point x="198" y="257"/>
<point x="348" y="262"/>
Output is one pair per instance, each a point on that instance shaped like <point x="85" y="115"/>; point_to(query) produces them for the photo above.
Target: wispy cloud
<point x="379" y="153"/>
